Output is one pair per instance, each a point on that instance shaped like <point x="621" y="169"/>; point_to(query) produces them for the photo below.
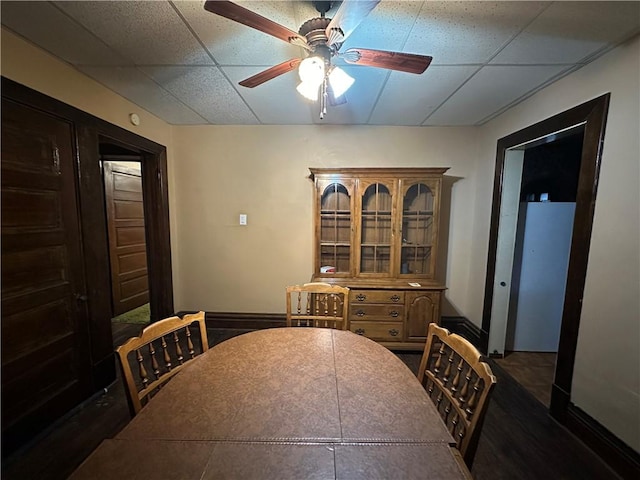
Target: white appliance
<point x="539" y="279"/>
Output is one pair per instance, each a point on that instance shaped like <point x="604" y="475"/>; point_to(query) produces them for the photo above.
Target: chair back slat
<point x="176" y="342"/>
<point x="459" y="383"/>
<point x="317" y="304"/>
<point x="159" y="350"/>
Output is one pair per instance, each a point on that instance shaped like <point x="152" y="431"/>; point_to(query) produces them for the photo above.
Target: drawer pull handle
<point x="360" y="313"/>
<point x="395" y="298"/>
<point x="394" y="332"/>
<point x="361" y="297"/>
<point x="393" y="313"/>
<point x="359" y="331"/>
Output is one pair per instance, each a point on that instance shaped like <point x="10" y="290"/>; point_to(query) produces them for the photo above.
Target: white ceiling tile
<point x="462" y="36"/>
<point x="385" y="28"/>
<point x="408" y="99"/>
<point x="134" y="85"/>
<point x="68" y="40"/>
<point x="491" y="89"/>
<point x="275" y="102"/>
<point x="149" y="33"/>
<point x="206" y="90"/>
<point x="568" y="32"/>
<point x="232" y="43"/>
<point x="468" y="32"/>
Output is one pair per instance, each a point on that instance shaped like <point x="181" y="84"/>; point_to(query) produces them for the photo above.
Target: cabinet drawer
<point x="386" y="331"/>
<point x="376" y="296"/>
<point x="380" y="311"/>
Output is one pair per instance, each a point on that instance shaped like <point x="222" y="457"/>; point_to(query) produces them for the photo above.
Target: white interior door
<point x="509" y="206"/>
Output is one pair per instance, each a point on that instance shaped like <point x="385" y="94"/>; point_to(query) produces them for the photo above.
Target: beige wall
<point x="216" y="173"/>
<point x="263" y="172"/>
<point x="606" y="381"/>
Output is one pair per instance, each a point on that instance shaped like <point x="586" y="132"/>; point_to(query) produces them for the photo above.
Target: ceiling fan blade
<point x="404" y="62"/>
<point x="244" y="16"/>
<point x="268" y="74"/>
<point x="347" y="18"/>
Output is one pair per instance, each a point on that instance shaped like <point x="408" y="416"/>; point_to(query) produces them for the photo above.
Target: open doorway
<point x="545" y="212"/>
<point x="591" y="117"/>
<point x="124" y="205"/>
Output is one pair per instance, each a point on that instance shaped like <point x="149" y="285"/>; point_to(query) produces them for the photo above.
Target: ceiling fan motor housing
<point x="314" y="31"/>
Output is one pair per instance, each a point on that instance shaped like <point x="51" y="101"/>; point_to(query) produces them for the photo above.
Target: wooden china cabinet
<point x="376" y="232"/>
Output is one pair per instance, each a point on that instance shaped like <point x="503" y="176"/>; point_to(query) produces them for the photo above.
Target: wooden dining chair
<point x="163" y="348"/>
<point x="317" y="304"/>
<point x="459" y="383"/>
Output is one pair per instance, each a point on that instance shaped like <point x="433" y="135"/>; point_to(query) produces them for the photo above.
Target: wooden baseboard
<point x="619" y="456"/>
<point x="463" y="327"/>
<point x="242" y="321"/>
<point x="257" y="321"/>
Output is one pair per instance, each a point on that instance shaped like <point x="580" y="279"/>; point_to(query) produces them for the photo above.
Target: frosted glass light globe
<point x="311" y="70"/>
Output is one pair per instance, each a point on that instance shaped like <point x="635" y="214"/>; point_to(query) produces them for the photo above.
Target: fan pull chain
<point x="323" y="99"/>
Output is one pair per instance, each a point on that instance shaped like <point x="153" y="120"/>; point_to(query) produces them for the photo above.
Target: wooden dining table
<point x="298" y="403"/>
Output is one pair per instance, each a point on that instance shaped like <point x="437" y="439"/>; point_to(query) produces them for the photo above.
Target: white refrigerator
<point x="539" y="276"/>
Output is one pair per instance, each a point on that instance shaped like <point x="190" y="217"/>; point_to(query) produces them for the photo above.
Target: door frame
<point x="89" y="131"/>
<point x="593" y="115"/>
<point x="156" y="212"/>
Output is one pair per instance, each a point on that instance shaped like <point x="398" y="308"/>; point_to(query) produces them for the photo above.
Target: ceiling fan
<point x="322" y="38"/>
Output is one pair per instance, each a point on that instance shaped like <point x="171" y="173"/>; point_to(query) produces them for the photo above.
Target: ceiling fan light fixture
<point x="311" y="70"/>
<point x="309" y="90"/>
<point x="340" y="81"/>
<point x="323" y="39"/>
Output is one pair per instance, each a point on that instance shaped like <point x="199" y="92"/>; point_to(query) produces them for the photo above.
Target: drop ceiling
<point x="183" y="64"/>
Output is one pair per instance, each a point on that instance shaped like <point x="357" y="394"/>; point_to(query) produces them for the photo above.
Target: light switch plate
<point x="243" y="219"/>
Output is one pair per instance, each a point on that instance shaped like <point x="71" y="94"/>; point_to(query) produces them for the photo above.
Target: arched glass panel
<point x="375" y="242"/>
<point x="417" y="231"/>
<point x="335" y="229"/>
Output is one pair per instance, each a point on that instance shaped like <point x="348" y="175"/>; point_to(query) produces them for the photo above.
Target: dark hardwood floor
<point x="519" y="440"/>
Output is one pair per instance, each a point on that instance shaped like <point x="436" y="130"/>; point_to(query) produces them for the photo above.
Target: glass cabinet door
<point x="335" y="230"/>
<point x="375" y="230"/>
<point x="416" y="256"/>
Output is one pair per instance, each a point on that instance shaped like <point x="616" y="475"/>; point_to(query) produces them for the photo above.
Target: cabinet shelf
<point x="424" y="213"/>
<point x="345" y="213"/>
<point x="377" y="213"/>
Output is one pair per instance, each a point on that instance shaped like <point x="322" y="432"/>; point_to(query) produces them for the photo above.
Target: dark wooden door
<point x="45" y="344"/>
<point x="127" y="246"/>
